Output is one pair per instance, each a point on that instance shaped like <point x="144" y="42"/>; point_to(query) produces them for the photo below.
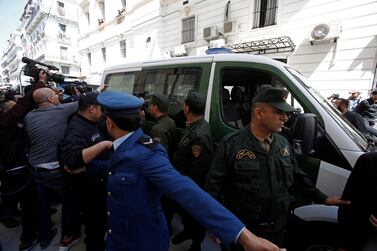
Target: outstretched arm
<point x="251" y="242"/>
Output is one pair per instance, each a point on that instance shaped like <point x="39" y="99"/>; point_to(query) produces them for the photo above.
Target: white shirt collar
<point x="120" y="140"/>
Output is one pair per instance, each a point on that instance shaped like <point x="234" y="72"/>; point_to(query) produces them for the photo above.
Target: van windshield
<point x="356" y="136"/>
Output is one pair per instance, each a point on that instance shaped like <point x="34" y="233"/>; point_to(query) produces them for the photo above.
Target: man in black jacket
<point x="357" y="222"/>
<point x="12" y="156"/>
<point x="87" y="190"/>
<point x="368" y="108"/>
<point x="355" y="118"/>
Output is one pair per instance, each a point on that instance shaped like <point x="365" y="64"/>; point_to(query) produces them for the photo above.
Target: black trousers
<point x="87" y="196"/>
<point x="19" y="186"/>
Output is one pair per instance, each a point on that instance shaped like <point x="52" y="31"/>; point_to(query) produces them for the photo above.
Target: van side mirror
<point x="304" y="134"/>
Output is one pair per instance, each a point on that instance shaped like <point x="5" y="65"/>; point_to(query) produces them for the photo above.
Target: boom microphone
<point x="27" y="60"/>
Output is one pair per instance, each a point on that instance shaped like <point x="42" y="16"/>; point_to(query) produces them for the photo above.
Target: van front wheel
<point x="311" y="235"/>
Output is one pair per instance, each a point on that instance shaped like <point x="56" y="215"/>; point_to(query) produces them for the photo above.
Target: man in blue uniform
<point x="139" y="172"/>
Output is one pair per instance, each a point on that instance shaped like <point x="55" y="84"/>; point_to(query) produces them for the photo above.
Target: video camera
<point x="32" y="69"/>
<point x="70" y="87"/>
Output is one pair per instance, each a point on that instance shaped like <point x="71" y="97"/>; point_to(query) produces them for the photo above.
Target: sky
<point x="11" y="11"/>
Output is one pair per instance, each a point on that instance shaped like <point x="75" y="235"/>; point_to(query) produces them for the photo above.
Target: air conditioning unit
<point x="218" y="43"/>
<point x="324" y="32"/>
<point x="229" y="27"/>
<point x="210" y="32"/>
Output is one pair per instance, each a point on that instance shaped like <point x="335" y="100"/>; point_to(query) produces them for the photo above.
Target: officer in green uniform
<point x="254" y="170"/>
<point x="192" y="159"/>
<point x="164" y="131"/>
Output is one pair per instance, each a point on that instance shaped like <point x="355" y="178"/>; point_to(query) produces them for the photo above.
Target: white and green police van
<point x="326" y="146"/>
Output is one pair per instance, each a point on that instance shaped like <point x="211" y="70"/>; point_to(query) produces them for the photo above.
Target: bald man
<point x="45" y="129"/>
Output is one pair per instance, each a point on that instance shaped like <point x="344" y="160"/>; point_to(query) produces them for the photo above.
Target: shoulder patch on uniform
<point x="147" y="142"/>
<point x="95" y="137"/>
<point x="245" y="153"/>
<point x="196" y="150"/>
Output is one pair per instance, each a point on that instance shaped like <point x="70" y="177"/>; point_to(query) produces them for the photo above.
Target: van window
<point x="238" y="89"/>
<point x="123" y="82"/>
<point x="175" y="83"/>
<point x="239" y="86"/>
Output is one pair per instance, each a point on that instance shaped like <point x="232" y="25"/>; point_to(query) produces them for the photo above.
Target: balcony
<point x="71" y="60"/>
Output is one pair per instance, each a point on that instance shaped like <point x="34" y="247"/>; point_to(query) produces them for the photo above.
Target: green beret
<point x="161" y="101"/>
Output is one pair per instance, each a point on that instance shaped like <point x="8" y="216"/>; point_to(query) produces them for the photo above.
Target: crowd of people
<point x="361" y="113"/>
<point x="124" y="185"/>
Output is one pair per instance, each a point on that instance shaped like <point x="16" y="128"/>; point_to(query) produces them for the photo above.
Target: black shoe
<point x="10" y="222"/>
<point x="26" y="246"/>
<point x="45" y="243"/>
<point x="181" y="237"/>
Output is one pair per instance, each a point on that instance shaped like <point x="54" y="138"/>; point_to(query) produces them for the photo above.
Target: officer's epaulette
<point x="230" y="135"/>
<point x="147" y="142"/>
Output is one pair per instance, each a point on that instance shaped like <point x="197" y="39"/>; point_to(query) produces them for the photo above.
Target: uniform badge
<point x="196" y="150"/>
<point x="284" y="151"/>
<point x="245" y="153"/>
<point x="95" y="137"/>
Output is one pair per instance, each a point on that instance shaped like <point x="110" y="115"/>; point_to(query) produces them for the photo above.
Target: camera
<point x="70" y="87"/>
<point x="32" y="69"/>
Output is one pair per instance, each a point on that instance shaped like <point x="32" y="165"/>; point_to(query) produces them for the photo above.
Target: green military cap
<point x="196" y="102"/>
<point x="274" y="97"/>
<point x="161" y="101"/>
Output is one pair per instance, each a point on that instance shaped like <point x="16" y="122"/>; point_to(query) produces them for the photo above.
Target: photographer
<point x="13" y="160"/>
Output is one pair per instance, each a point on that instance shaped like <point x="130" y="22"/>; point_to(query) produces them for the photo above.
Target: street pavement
<point x="9" y="238"/>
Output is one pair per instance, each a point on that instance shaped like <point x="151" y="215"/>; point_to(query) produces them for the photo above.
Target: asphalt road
<point x="9" y="238"/>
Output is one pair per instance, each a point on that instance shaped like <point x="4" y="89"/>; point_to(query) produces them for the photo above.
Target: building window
<point x="65" y="70"/>
<point x="102" y="9"/>
<point x="103" y="54"/>
<point x="63" y="53"/>
<point x="188" y="30"/>
<point x="123" y="49"/>
<point x="87" y="15"/>
<point x="265" y="13"/>
<point x="89" y="59"/>
<point x="62" y="27"/>
<point x="61" y="10"/>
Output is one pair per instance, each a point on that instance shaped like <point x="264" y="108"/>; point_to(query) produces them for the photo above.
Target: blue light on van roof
<point x="218" y="51"/>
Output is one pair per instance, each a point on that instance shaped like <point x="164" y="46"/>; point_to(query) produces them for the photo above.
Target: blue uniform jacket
<point x="139" y="174"/>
